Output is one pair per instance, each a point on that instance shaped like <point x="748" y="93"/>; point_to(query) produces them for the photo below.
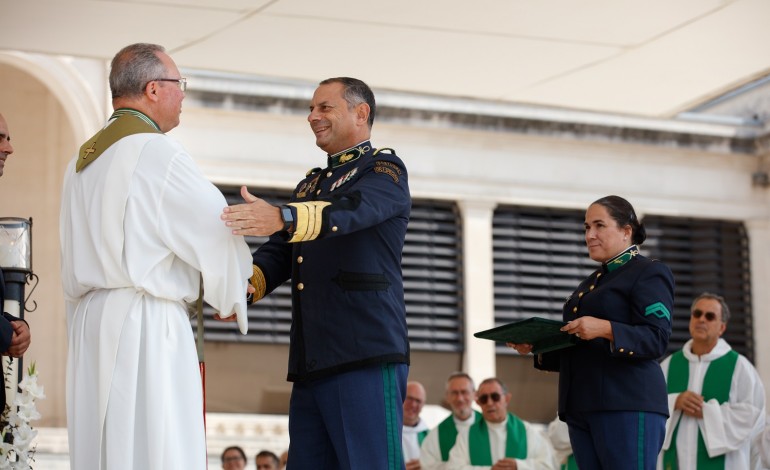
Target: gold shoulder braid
<point x="123" y="126"/>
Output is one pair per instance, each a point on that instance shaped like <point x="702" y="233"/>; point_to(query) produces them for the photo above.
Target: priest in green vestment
<point x="501" y="440"/>
<point x="459" y="393"/>
<point x="715" y="396"/>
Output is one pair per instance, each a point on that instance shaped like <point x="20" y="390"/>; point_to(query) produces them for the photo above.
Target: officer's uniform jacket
<point x="636" y="295"/>
<point x="344" y="260"/>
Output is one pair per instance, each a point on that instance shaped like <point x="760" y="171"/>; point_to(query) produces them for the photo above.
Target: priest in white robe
<point x="716" y="398"/>
<point x="414" y="429"/>
<point x="139" y="228"/>
<point x="458" y="394"/>
<point x="501" y="439"/>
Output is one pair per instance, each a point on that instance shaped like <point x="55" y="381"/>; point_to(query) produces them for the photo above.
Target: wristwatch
<point x="287" y="217"/>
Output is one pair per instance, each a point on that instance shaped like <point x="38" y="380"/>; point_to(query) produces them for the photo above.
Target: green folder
<point x="543" y="334"/>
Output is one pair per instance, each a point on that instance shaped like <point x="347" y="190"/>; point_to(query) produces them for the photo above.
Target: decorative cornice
<point x="232" y="91"/>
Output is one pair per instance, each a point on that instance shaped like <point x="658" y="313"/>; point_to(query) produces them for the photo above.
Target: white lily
<point x="18" y="455"/>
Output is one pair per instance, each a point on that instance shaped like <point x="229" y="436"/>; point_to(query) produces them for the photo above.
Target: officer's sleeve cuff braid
<point x="309" y="220"/>
<point x="257" y="281"/>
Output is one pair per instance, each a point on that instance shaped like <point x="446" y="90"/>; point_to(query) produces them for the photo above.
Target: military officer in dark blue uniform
<point x="612" y="392"/>
<point x="340" y="240"/>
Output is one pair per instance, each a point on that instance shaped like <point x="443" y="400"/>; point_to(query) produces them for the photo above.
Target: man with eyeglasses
<point x="139" y="230"/>
<point x="233" y="458"/>
<point x="415" y="429"/>
<point x="715" y="396"/>
<point x="458" y="394"/>
<point x="501" y="440"/>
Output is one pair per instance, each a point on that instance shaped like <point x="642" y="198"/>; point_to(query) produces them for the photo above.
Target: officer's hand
<point x="231" y="318"/>
<point x="20" y="339"/>
<point x="588" y="328"/>
<point x="522" y="348"/>
<point x="255" y="217"/>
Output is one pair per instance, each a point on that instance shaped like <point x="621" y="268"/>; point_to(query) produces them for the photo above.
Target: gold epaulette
<point x="390" y="150"/>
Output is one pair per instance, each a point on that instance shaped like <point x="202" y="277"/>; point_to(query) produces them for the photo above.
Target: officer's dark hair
<point x="133" y="67"/>
<point x="718" y="298"/>
<point x="622" y="212"/>
<point x="267" y="453"/>
<point x="355" y="92"/>
<point x="236" y="448"/>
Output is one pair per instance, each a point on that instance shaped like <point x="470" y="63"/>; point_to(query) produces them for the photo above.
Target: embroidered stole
<point x="515" y="441"/>
<point x="716" y="384"/>
<point x="128" y="122"/>
<point x="447" y="435"/>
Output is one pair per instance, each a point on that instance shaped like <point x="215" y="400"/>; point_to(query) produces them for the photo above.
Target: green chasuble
<point x="447" y="435"/>
<point x="515" y="441"/>
<point x="716" y="384"/>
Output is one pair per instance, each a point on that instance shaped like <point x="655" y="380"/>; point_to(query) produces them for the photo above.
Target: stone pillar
<point x="479" y="357"/>
<point x="759" y="247"/>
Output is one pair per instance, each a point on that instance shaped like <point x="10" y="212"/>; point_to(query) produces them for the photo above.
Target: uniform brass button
<point x="318" y="192"/>
<point x="598" y="275"/>
<point x="328" y="174"/>
<point x="574" y="309"/>
<point x="621" y="350"/>
<point x="334" y="229"/>
<point x="630" y="353"/>
<point x="580" y="295"/>
<point x="300" y="286"/>
<point x="591" y="288"/>
<point x="300" y="259"/>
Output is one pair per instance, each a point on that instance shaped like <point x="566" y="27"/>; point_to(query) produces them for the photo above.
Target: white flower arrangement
<point x="17" y="453"/>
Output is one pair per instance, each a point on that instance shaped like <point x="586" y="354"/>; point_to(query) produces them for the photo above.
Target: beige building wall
<point x="53" y="104"/>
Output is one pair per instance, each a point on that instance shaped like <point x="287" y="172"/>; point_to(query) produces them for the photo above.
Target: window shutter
<point x="539" y="259"/>
<point x="705" y="255"/>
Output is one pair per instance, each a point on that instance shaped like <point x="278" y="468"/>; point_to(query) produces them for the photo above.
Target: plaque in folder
<point x="543" y="334"/>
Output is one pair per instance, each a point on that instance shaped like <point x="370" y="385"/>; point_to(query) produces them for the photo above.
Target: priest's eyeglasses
<point x="181" y="82"/>
<point x="710" y="316"/>
<point x="483" y="399"/>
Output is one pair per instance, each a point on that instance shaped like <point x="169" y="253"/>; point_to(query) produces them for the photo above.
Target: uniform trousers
<point x="615" y="440"/>
<point x="349" y="421"/>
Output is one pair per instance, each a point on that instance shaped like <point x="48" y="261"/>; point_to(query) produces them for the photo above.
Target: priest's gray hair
<point x="494" y="380"/>
<point x="460" y="375"/>
<point x="133" y="67"/>
<point x="718" y="298"/>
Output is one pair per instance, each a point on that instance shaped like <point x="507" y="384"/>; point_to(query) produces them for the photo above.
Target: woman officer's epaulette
<point x="390" y="151"/>
<point x="313" y="171"/>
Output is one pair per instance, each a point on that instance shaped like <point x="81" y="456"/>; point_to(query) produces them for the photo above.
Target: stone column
<point x="479" y="357"/>
<point x="759" y="247"/>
